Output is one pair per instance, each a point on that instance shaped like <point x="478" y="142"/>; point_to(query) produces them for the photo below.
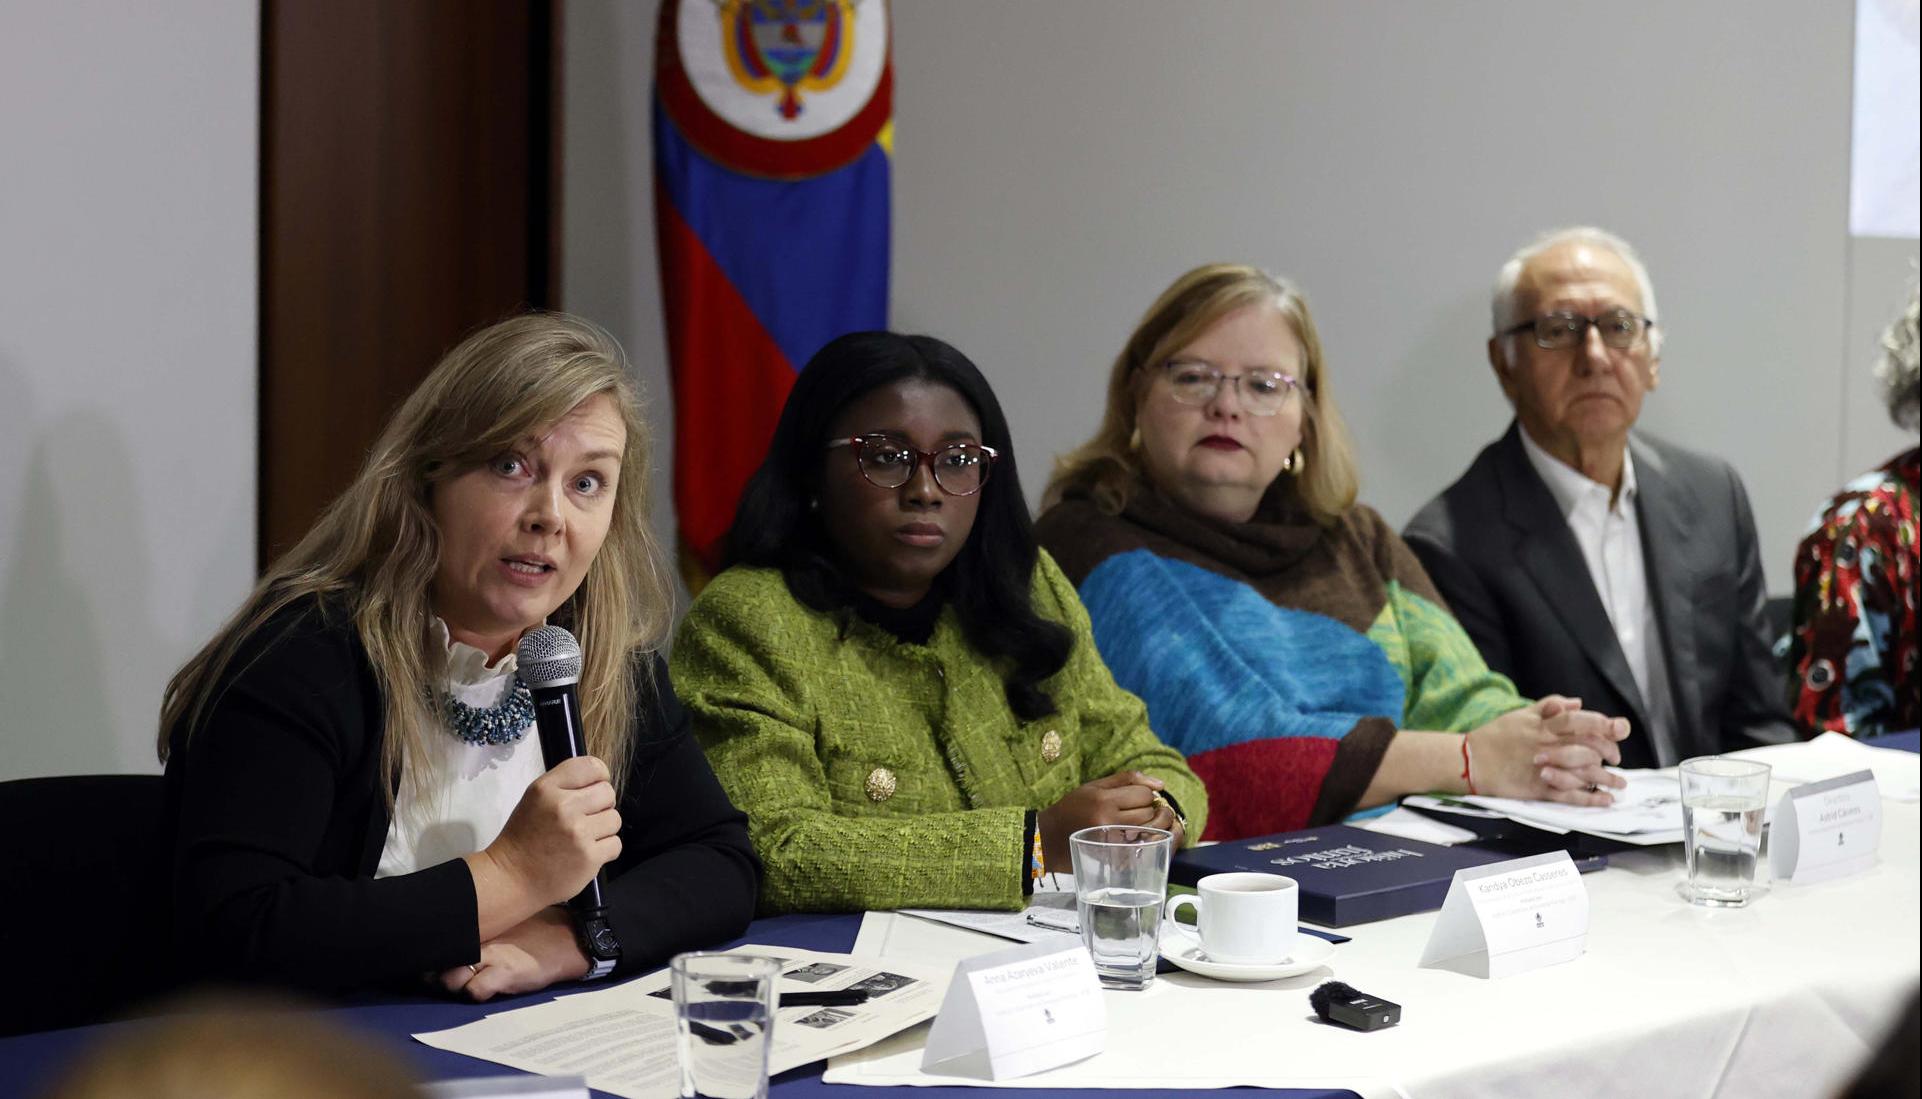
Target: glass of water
<point x="1120" y="880"/>
<point x="724" y="1011"/>
<point x="1723" y="802"/>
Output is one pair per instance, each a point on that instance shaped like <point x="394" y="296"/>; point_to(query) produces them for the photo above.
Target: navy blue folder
<point x="1347" y="875"/>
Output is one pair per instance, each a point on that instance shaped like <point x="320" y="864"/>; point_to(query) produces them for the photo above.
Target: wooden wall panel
<point x="406" y="169"/>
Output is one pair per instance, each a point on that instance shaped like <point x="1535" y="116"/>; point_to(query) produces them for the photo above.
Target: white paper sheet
<point x="1651" y="804"/>
<point x="622" y="1038"/>
<point x="618" y="1049"/>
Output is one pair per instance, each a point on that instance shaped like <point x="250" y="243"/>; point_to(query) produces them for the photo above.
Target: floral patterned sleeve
<point x="1852" y="648"/>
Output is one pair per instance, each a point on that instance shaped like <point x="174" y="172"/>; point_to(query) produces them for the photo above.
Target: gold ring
<point x="472" y="970"/>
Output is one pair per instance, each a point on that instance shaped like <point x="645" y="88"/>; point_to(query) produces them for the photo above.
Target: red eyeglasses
<point x="960" y="469"/>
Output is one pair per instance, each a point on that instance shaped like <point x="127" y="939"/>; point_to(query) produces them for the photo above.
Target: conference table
<point x="1873" y="953"/>
<point x="31" y="1063"/>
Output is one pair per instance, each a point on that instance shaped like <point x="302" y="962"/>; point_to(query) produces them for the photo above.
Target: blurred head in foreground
<point x="239" y="1050"/>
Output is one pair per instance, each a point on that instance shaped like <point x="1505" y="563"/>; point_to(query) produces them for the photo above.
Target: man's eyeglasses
<point x="1620" y="329"/>
<point x="1263" y="392"/>
<point x="960" y="469"/>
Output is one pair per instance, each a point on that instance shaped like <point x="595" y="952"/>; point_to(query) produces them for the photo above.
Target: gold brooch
<point x="880" y="784"/>
<point x="1050" y="746"/>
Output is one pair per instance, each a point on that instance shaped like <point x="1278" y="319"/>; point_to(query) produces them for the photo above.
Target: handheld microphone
<point x="549" y="661"/>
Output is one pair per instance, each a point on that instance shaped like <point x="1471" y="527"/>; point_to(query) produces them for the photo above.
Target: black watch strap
<point x="598" y="941"/>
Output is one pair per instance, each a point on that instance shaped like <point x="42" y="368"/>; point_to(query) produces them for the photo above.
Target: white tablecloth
<point x="1783" y="998"/>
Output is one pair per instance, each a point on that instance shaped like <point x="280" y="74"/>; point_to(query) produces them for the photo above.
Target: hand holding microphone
<point x="549" y="659"/>
<point x="566" y="826"/>
<point x="562" y="832"/>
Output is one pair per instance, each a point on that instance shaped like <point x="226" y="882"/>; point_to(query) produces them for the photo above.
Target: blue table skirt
<point x="30" y="1063"/>
<point x="1908" y="741"/>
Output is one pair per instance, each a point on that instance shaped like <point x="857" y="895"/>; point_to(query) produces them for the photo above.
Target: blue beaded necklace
<point x="504" y="722"/>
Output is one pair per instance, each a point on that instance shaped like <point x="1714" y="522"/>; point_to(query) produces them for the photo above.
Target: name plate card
<point x="1511" y="917"/>
<point x="1018" y="1011"/>
<point x="1827" y="829"/>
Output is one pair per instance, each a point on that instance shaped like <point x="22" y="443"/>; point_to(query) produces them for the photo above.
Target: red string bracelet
<point x="1465" y="775"/>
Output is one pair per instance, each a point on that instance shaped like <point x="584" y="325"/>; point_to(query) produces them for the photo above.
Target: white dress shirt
<point x="1610" y="535"/>
<point x="471" y="789"/>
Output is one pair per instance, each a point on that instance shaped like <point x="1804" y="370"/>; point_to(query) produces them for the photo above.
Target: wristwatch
<point x="598" y="941"/>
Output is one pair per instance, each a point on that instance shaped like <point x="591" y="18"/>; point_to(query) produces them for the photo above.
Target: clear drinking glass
<point x="1120" y="880"/>
<point x="1723" y="802"/>
<point x="724" y="1011"/>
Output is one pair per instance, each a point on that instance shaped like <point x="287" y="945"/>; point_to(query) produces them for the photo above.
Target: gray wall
<point x="1057" y="164"/>
<point x="609" y="269"/>
<point x="128" y="227"/>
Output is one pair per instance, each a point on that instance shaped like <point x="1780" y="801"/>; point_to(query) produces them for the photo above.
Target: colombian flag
<point x="772" y="133"/>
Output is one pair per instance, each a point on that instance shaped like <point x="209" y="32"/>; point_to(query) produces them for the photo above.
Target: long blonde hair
<point x="1107" y="467"/>
<point x="376" y="546"/>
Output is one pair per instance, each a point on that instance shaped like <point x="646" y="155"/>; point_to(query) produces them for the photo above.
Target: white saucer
<point x="1310" y="952"/>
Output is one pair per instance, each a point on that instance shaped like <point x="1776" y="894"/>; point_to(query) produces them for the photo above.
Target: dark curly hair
<point x="989" y="581"/>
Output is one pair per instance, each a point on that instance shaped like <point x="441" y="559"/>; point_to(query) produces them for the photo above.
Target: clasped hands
<point x="1125" y="797"/>
<point x="1552" y="750"/>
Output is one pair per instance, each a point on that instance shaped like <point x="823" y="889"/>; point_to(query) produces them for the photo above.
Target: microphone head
<point x="549" y="657"/>
<point x="1329" y="990"/>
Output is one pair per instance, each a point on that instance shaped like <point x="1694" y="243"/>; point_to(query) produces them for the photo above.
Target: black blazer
<point x="1501" y="554"/>
<point x="275" y="819"/>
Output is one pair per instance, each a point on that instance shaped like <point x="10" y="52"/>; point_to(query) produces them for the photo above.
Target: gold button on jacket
<point x="880" y="784"/>
<point x="1050" y="746"/>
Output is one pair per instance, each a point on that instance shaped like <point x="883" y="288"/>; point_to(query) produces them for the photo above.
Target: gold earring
<point x="1134" y="438"/>
<point x="1293" y="463"/>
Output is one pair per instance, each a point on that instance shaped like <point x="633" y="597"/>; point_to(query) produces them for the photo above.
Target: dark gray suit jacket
<point x="1500" y="552"/>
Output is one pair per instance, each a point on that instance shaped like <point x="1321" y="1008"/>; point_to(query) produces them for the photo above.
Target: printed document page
<point x="622" y="1039"/>
<point x="1651" y="804"/>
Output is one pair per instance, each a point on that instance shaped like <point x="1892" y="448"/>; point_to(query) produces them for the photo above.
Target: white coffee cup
<point x="1244" y="918"/>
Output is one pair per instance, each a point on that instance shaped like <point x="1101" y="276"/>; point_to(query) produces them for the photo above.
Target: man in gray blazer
<point x="1592" y="560"/>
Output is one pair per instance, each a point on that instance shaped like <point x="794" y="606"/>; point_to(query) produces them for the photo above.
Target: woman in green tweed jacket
<point x="892" y="680"/>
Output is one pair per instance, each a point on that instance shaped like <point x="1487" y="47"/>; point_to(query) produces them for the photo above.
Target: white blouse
<point x="472" y="788"/>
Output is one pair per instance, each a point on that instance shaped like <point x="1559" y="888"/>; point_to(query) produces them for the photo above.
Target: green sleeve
<point x="741" y="666"/>
<point x="1114" y="723"/>
<point x="1449" y="687"/>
